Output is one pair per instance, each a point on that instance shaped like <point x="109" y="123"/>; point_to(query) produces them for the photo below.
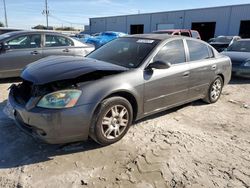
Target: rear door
<point x="22" y="50"/>
<point x="167" y="87"/>
<point x="58" y="45"/>
<point x="202" y="68"/>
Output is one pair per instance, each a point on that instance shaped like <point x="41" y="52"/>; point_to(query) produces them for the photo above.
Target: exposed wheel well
<point x="130" y="98"/>
<point x="223" y="79"/>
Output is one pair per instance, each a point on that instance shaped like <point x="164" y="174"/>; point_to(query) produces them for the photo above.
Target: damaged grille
<point x="22" y="92"/>
<point x="26" y="90"/>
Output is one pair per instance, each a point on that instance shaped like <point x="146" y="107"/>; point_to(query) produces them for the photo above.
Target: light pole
<point x="46" y="12"/>
<point x="5" y="14"/>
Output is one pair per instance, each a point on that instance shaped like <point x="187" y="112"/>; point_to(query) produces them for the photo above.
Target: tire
<point x="112" y="121"/>
<point x="214" y="91"/>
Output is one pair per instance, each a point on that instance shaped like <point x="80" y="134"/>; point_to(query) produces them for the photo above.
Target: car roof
<point x="227" y="36"/>
<point x="174" y="30"/>
<point x="31" y="31"/>
<point x="248" y="39"/>
<point x="154" y="36"/>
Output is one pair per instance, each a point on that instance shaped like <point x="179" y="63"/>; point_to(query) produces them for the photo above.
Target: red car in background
<point x="183" y="32"/>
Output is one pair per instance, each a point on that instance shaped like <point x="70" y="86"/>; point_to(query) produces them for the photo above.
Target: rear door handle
<point x="214" y="67"/>
<point x="66" y="50"/>
<point x="34" y="53"/>
<point x="186" y="74"/>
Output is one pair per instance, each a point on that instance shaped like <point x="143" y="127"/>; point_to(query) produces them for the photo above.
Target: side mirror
<point x="159" y="65"/>
<point x="4" y="47"/>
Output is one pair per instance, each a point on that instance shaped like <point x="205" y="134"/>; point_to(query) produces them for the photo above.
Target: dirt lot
<point x="196" y="145"/>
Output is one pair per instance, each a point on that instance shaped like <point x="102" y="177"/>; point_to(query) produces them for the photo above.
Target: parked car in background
<point x="82" y="37"/>
<point x="182" y="32"/>
<point x="220" y="43"/>
<point x="68" y="99"/>
<point x="7" y="30"/>
<point x="95" y="34"/>
<point x="18" y="49"/>
<point x="239" y="52"/>
<point x="104" y="38"/>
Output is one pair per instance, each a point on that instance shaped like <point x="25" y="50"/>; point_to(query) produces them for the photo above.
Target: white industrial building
<point x="210" y="22"/>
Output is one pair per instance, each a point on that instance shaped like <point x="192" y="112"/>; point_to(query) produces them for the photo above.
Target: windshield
<point x="108" y="34"/>
<point x="164" y="32"/>
<point x="240" y="46"/>
<point x="222" y="39"/>
<point x="4" y="36"/>
<point x="126" y="52"/>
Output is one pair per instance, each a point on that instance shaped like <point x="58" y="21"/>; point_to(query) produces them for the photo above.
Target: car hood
<point x="102" y="38"/>
<point x="56" y="68"/>
<point x="237" y="56"/>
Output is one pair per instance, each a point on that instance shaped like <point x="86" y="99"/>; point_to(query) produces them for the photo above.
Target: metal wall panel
<point x="144" y="19"/>
<point x="219" y="15"/>
<point x="175" y="18"/>
<point x="238" y="13"/>
<point x="227" y="20"/>
<point x="116" y="24"/>
<point x="97" y="25"/>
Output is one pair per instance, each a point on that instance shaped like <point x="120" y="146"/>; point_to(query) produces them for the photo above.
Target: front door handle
<point x="66" y="50"/>
<point x="34" y="53"/>
<point x="186" y="74"/>
<point x="214" y="67"/>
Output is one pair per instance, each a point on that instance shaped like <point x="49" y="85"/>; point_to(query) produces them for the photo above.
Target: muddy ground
<point x="195" y="145"/>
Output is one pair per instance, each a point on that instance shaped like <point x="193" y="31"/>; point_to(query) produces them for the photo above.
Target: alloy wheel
<point x="216" y="90"/>
<point x="115" y="122"/>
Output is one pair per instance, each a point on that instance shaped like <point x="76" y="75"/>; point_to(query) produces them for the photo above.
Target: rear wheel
<point x="214" y="91"/>
<point x="113" y="120"/>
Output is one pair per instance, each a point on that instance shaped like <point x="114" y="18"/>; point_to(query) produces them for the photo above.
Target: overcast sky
<point x="28" y="13"/>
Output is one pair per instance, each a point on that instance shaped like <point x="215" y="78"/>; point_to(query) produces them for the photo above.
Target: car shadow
<point x="18" y="149"/>
<point x="239" y="80"/>
<point x="10" y="80"/>
<point x="172" y="110"/>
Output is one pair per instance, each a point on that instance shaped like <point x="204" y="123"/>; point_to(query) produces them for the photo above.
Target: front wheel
<point x="113" y="120"/>
<point x="214" y="91"/>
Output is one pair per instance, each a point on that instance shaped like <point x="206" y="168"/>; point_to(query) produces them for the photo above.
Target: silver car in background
<point x="67" y="99"/>
<point x="19" y="48"/>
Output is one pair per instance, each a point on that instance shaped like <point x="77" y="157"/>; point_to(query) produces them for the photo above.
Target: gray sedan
<point x="18" y="49"/>
<point x="67" y="99"/>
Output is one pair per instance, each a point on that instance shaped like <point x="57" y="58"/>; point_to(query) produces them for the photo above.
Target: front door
<point x="58" y="45"/>
<point x="167" y="87"/>
<point x="20" y="51"/>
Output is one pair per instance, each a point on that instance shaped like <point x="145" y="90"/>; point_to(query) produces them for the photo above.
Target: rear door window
<point x="195" y="34"/>
<point x="25" y="41"/>
<point x="197" y="50"/>
<point x="173" y="52"/>
<point x="57" y="41"/>
<point x="210" y="52"/>
<point x="184" y="33"/>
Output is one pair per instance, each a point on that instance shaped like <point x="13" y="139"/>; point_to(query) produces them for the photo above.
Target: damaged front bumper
<point x="54" y="126"/>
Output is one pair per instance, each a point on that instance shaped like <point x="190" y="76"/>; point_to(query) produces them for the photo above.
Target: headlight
<point x="247" y="64"/>
<point x="60" y="99"/>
